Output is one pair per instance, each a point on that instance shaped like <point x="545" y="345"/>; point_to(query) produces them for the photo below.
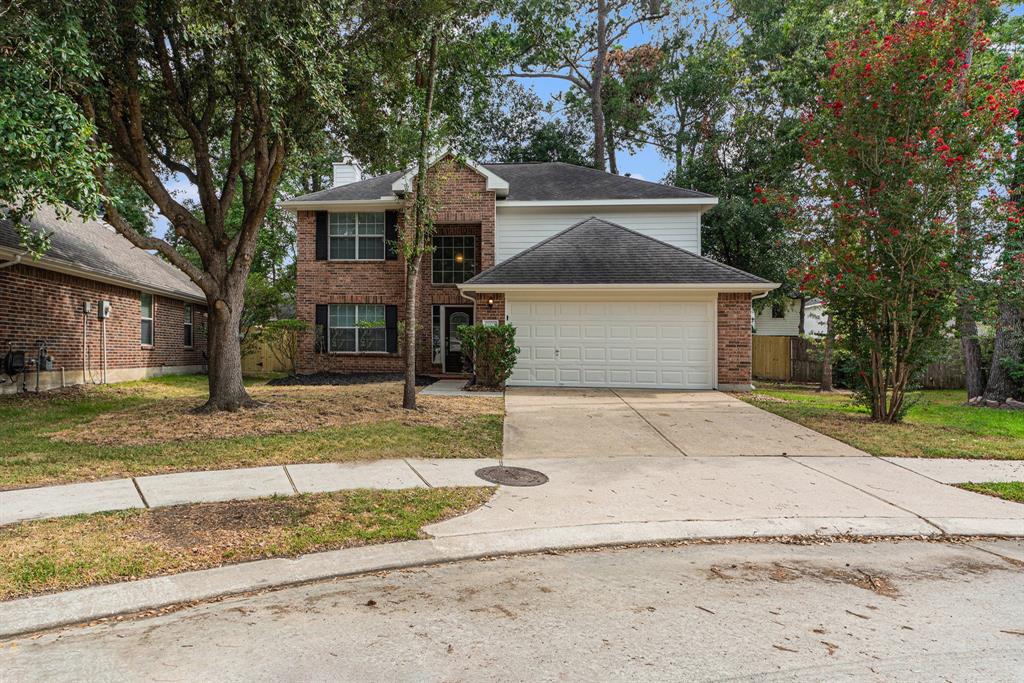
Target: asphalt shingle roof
<point x="555" y="180"/>
<point x="540" y="181"/>
<point x="93" y="247"/>
<point x="597" y="252"/>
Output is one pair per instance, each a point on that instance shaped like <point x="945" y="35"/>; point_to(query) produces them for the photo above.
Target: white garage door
<point x="664" y="344"/>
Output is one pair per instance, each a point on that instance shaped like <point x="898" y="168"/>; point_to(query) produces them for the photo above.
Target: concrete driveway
<point x="572" y="423"/>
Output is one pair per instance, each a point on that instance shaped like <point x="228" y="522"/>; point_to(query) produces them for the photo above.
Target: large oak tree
<point x="218" y="95"/>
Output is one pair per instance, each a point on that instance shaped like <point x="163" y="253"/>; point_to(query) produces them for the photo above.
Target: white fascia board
<point x="343" y="205"/>
<point x="495" y="182"/>
<point x="58" y="266"/>
<point x="674" y="201"/>
<point x="695" y="287"/>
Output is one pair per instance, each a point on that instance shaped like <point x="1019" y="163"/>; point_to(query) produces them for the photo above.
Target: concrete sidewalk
<point x="240" y="484"/>
<point x="586" y="503"/>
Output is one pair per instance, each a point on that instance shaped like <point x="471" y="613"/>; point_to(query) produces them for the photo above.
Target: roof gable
<point x="495" y="183"/>
<point x="598" y="252"/>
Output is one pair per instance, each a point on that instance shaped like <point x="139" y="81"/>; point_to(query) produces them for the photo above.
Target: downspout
<point x="16" y="261"/>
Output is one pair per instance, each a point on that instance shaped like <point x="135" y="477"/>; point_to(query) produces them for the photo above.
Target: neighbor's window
<point x="356" y="327"/>
<point x="454" y="259"/>
<point x="778" y="310"/>
<point x="146" y="304"/>
<point x="188" y="325"/>
<point x="356" y="236"/>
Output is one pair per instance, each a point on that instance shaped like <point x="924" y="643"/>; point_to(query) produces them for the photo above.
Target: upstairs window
<point x="356" y="328"/>
<point x="146" y="305"/>
<point x="454" y="259"/>
<point x="356" y="236"/>
<point x="188" y="326"/>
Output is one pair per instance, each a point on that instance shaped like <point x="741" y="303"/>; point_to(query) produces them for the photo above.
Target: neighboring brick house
<point x="155" y="324"/>
<point x="600" y="274"/>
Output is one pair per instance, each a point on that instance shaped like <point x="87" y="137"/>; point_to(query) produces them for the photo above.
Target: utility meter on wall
<point x="103" y="310"/>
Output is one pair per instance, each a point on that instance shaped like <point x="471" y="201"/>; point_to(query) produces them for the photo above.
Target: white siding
<point x="519" y="228"/>
<point x="815" y="320"/>
<point x="765" y="324"/>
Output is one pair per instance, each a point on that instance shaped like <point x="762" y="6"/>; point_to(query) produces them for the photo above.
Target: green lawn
<point x="59" y="554"/>
<point x="1010" y="490"/>
<point x="938" y="425"/>
<point x="312" y="432"/>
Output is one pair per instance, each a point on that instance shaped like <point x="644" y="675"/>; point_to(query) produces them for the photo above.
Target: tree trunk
<point x="826" y="361"/>
<point x="970" y="346"/>
<point x="597" y="85"/>
<point x="1009" y="346"/>
<point x="411" y="329"/>
<point x="227" y="392"/>
<point x="613" y="164"/>
<point x="415" y="247"/>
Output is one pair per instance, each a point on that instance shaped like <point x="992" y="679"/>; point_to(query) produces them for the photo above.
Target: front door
<point x="453" y="317"/>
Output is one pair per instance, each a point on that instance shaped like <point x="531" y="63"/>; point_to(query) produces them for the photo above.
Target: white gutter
<point x="57" y="266"/>
<point x="691" y="287"/>
<point x="675" y="201"/>
<point x="14" y="262"/>
<point x="326" y="205"/>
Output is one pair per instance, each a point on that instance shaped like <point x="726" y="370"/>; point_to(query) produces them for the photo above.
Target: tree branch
<point x="530" y="74"/>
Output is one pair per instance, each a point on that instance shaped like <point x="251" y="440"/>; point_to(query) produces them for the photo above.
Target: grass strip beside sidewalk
<point x="107" y="547"/>
<point x="937" y="424"/>
<point x="1007" y="490"/>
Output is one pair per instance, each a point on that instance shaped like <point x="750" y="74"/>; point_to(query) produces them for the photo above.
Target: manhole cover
<point x="512" y="476"/>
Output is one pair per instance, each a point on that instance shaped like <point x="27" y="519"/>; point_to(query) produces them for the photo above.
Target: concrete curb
<point x="28" y="615"/>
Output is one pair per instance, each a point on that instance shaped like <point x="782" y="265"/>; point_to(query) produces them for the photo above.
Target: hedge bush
<point x="491" y="351"/>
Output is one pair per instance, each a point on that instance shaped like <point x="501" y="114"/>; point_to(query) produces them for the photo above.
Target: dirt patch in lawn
<point x="282" y="410"/>
<point x="60" y="554"/>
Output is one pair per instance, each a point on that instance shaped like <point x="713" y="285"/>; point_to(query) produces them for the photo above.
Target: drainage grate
<point x="512" y="476"/>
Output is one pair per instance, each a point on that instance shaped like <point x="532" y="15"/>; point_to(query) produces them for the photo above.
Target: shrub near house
<point x="491" y="351"/>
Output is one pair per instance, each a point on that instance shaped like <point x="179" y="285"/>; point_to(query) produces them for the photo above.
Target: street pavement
<point x="901" y="611"/>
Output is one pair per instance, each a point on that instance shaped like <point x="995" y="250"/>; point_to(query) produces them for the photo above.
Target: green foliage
<point x="281" y="337"/>
<point x="45" y="138"/>
<point x="491" y="350"/>
<point x="904" y="133"/>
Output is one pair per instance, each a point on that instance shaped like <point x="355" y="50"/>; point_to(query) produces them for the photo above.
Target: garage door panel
<point x="569" y="353"/>
<point x="618" y="343"/>
<point x="645" y="355"/>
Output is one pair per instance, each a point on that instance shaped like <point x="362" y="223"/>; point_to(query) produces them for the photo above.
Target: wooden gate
<point x="772" y="358"/>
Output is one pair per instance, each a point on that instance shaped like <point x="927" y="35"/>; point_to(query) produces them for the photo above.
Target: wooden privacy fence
<point x="772" y="358"/>
<point x="268" y="356"/>
<point x="789" y="359"/>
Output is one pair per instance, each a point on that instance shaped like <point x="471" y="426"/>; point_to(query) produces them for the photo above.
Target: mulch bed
<point x="346" y="378"/>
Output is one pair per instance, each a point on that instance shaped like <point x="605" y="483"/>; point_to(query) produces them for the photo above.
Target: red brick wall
<point x="464" y="207"/>
<point x="42" y="304"/>
<point x="734" y="342"/>
<point x="494" y="311"/>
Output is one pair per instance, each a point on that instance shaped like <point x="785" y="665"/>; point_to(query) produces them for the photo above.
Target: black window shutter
<point x="390" y="235"/>
<point x="321" y="235"/>
<point x="391" y="329"/>
<point x="321" y="328"/>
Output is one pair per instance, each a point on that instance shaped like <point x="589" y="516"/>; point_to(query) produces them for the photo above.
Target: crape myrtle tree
<point x="906" y="129"/>
<point x="219" y="95"/>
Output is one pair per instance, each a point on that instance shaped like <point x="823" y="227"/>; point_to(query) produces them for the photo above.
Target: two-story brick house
<point x="600" y="274"/>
